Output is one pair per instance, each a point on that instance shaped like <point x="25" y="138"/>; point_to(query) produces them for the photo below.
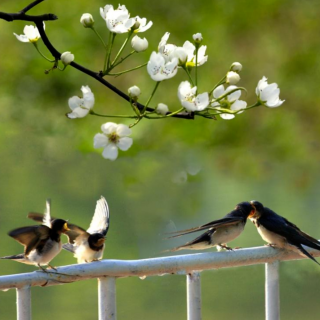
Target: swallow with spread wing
<point x="41" y="243"/>
<point x="219" y="232"/>
<point x="279" y="232"/>
<point x="87" y="245"/>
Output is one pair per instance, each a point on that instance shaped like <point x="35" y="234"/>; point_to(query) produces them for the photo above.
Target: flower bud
<point x="197" y="37"/>
<point x="139" y="44"/>
<point x="134" y="92"/>
<point x="67" y="57"/>
<point x="232" y="77"/>
<point x="162" y="109"/>
<point x="136" y="25"/>
<point x="87" y="20"/>
<point x="236" y="66"/>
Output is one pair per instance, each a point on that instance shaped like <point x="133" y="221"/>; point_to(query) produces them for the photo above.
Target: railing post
<point x="24" y="303"/>
<point x="272" y="291"/>
<point x="194" y="296"/>
<point x="107" y="298"/>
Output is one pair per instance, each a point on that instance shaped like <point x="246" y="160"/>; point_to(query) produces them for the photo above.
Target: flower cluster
<point x="119" y="21"/>
<point x="222" y="101"/>
<point x="163" y="65"/>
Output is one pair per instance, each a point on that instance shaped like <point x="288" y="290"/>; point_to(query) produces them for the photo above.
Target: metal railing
<point x="107" y="271"/>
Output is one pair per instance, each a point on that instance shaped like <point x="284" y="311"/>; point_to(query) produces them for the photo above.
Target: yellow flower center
<point x="114" y="138"/>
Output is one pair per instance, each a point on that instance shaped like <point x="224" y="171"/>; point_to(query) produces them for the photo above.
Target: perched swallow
<point x="87" y="245"/>
<point x="219" y="232"/>
<point x="279" y="232"/>
<point x="41" y="243"/>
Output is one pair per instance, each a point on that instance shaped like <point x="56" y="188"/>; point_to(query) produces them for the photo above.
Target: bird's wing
<point x="30" y="237"/>
<point x="45" y="218"/>
<point x="226" y="221"/>
<point x="204" y="238"/>
<point x="39" y="217"/>
<point x="100" y="221"/>
<point x="68" y="247"/>
<point x="287" y="229"/>
<point x="47" y="215"/>
<point x="74" y="232"/>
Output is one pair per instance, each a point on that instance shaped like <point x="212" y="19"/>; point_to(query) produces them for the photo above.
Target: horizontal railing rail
<point x="190" y="265"/>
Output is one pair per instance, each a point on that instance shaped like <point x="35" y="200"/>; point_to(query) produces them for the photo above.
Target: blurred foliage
<point x="178" y="173"/>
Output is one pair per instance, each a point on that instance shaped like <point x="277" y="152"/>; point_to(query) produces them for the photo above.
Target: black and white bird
<point x="277" y="231"/>
<point x="87" y="245"/>
<point x="219" y="232"/>
<point x="41" y="243"/>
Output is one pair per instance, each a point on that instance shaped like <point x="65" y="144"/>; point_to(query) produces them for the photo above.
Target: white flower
<point x="134" y="92"/>
<point x="181" y="54"/>
<point x="232" y="77"/>
<point x="159" y="69"/>
<point x="114" y="136"/>
<point x="67" y="57"/>
<point x="87" y="20"/>
<point x="197" y="37"/>
<point x="141" y="24"/>
<point x="31" y="34"/>
<point x="230" y="102"/>
<point x="188" y="98"/>
<point x="268" y="94"/>
<point x="81" y="106"/>
<point x="191" y="60"/>
<point x="166" y="49"/>
<point x="118" y="21"/>
<point x="162" y="109"/>
<point x="236" y="66"/>
<point x="139" y="44"/>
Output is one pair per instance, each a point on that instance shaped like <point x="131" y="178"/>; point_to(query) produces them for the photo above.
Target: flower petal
<point x="218" y="91"/>
<point x="110" y="152"/>
<point x="78" y="113"/>
<point x="202" y="101"/>
<point x="234" y="95"/>
<point x="227" y="116"/>
<point x="238" y="105"/>
<point x="124" y="143"/>
<point x="100" y="140"/>
<point x="75" y="102"/>
<point x="109" y="127"/>
<point x="22" y="37"/>
<point x="123" y="130"/>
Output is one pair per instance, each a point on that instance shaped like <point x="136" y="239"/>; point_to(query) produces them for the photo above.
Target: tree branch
<point x="38" y="20"/>
<point x="31" y="5"/>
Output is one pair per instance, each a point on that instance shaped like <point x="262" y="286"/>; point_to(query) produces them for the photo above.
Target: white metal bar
<point x="272" y="291"/>
<point x="24" y="303"/>
<point x="180" y="264"/>
<point x="107" y="298"/>
<point x="194" y="296"/>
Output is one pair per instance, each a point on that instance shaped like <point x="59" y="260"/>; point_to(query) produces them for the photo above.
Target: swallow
<point x="277" y="231"/>
<point x="87" y="245"/>
<point x="219" y="232"/>
<point x="41" y="242"/>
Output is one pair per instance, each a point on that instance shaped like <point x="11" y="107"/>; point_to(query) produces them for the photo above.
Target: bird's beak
<point x="253" y="211"/>
<point x="65" y="227"/>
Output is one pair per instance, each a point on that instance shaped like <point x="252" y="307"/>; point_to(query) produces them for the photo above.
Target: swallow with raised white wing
<point x="87" y="245"/>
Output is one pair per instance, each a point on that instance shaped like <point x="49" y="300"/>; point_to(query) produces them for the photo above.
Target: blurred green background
<point x="178" y="173"/>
